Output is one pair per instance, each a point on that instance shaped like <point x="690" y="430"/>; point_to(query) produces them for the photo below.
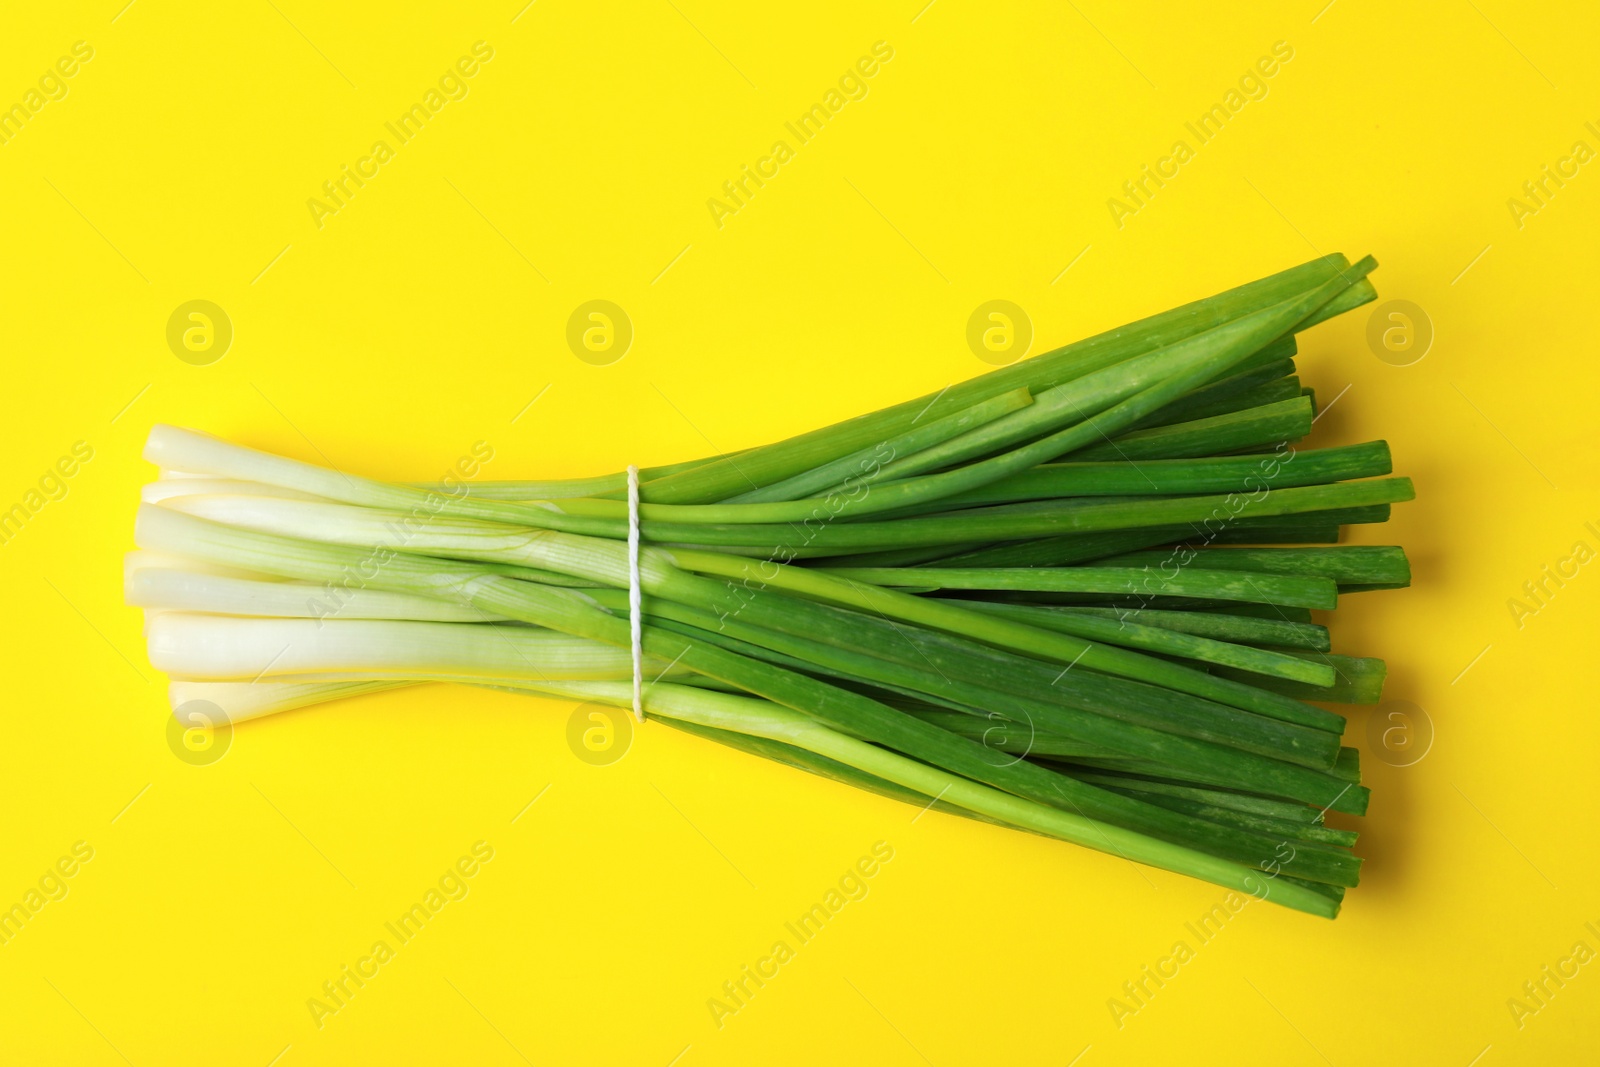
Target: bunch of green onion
<point x="1024" y="599"/>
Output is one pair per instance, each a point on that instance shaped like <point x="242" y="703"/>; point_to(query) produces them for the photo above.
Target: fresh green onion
<point x="1020" y="600"/>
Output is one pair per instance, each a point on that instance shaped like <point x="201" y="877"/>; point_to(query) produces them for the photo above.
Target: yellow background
<point x="430" y="310"/>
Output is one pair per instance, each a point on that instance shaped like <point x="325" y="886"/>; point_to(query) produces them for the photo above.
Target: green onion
<point x="1019" y="600"/>
<point x="1230" y="584"/>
